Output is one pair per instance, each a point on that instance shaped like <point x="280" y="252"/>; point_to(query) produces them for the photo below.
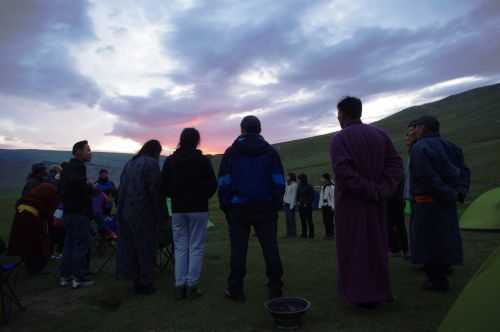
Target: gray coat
<point x="140" y="211"/>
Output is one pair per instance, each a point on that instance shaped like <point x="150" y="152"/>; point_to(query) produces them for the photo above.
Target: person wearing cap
<point x="251" y="188"/>
<point x="37" y="176"/>
<point x="438" y="181"/>
<point x="368" y="171"/>
<point x="108" y="188"/>
<point x="76" y="194"/>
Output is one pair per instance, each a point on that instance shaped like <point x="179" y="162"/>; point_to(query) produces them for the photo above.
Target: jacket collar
<point x="350" y="123"/>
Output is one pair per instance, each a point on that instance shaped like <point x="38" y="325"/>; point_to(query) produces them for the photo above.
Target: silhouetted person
<point x="305" y="201"/>
<point x="327" y="205"/>
<point x="439" y="178"/>
<point x="251" y="188"/>
<point x="141" y="209"/>
<point x="367" y="171"/>
<point x="290" y="205"/>
<point x="37" y="176"/>
<point x="76" y="195"/>
<point x="189" y="180"/>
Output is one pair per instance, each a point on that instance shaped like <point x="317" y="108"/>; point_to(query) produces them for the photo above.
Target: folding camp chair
<point x="8" y="278"/>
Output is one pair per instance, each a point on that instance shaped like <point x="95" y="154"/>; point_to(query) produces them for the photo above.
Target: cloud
<point x="36" y="60"/>
<point x="237" y="63"/>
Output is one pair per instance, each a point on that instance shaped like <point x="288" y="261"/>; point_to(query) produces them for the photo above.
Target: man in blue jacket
<point x="439" y="178"/>
<point x="251" y="187"/>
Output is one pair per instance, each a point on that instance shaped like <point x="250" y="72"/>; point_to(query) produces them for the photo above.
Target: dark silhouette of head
<point x="250" y="125"/>
<point x="38" y="170"/>
<point x="151" y="148"/>
<point x="326" y="178"/>
<point x="303" y="178"/>
<point x="292" y="177"/>
<point x="426" y="124"/>
<point x="190" y="139"/>
<point x="81" y="151"/>
<point x="348" y="109"/>
<point x="103" y="174"/>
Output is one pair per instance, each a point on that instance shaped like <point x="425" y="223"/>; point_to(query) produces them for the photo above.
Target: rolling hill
<point x="470" y="119"/>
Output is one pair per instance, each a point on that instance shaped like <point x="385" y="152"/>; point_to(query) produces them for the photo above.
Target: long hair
<point x="151" y="148"/>
<point x="190" y="139"/>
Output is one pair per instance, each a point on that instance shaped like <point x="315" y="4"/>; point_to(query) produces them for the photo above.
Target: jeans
<point x="264" y="222"/>
<point x="189" y="233"/>
<point x="76" y="246"/>
<point x="291" y="226"/>
<point x="306" y="220"/>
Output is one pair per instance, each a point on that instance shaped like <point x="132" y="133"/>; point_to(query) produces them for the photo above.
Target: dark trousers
<point x="35" y="264"/>
<point x="291" y="225"/>
<point x="76" y="246"/>
<point x="264" y="221"/>
<point x="328" y="220"/>
<point x="398" y="237"/>
<point x="306" y="220"/>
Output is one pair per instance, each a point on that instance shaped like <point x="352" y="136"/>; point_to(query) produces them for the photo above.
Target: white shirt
<point x="290" y="197"/>
<point x="327" y="196"/>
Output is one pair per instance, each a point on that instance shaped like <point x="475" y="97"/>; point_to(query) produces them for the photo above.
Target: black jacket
<point x="305" y="195"/>
<point x="76" y="193"/>
<point x="189" y="179"/>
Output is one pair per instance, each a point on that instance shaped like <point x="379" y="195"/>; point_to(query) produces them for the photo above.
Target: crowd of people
<point x="362" y="205"/>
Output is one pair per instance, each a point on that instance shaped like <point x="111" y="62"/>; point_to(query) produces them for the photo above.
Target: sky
<point x="118" y="73"/>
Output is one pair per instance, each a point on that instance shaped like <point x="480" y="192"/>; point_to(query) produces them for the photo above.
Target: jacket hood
<point x="251" y="145"/>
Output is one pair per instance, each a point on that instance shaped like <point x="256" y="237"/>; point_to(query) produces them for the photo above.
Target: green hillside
<point x="470" y="119"/>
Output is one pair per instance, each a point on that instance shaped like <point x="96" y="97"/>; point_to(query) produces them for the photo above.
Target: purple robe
<point x="367" y="170"/>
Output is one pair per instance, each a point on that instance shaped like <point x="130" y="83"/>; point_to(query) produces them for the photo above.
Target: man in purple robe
<point x="367" y="170"/>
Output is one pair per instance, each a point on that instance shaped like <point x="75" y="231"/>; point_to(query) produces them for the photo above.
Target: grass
<point x="310" y="272"/>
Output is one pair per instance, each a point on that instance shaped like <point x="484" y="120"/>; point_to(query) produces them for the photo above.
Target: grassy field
<point x="309" y="272"/>
<point x="469" y="119"/>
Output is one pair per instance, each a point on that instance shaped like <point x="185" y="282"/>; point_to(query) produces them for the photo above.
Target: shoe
<point x="180" y="292"/>
<point x="237" y="297"/>
<point x="274" y="293"/>
<point x="78" y="283"/>
<point x="193" y="292"/>
<point x="64" y="282"/>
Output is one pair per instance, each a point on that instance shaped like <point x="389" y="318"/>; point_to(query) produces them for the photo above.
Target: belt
<point x="424" y="199"/>
<point x="27" y="208"/>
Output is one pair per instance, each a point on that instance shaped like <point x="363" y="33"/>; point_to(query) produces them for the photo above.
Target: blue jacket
<point x="251" y="173"/>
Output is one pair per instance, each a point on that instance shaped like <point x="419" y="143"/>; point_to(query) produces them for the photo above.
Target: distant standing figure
<point x="290" y="202"/>
<point x="398" y="237"/>
<point x="76" y="195"/>
<point x="367" y="171"/>
<point x="251" y="188"/>
<point x="437" y="183"/>
<point x="37" y="176"/>
<point x="327" y="205"/>
<point x="29" y="236"/>
<point x="140" y="212"/>
<point x="305" y="201"/>
<point x="108" y="187"/>
<point x="189" y="179"/>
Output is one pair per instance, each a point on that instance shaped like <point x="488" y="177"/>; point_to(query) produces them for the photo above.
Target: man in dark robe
<point x="439" y="178"/>
<point x="368" y="170"/>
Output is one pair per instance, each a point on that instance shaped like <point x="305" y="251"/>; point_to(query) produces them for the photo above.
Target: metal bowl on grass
<point x="288" y="311"/>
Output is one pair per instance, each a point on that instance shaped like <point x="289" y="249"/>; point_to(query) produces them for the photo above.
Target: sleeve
<point x="166" y="183"/>
<point x="426" y="175"/>
<point x="346" y="174"/>
<point x="210" y="181"/>
<point x="278" y="180"/>
<point x="463" y="185"/>
<point x="225" y="181"/>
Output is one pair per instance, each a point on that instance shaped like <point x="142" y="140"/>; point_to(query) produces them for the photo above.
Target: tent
<point x="483" y="213"/>
<point x="476" y="309"/>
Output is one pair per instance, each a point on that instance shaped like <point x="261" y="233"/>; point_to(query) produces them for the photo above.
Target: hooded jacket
<point x="189" y="179"/>
<point x="251" y="173"/>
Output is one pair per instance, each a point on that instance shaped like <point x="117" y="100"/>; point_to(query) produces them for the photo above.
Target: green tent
<point x="476" y="309"/>
<point x="483" y="213"/>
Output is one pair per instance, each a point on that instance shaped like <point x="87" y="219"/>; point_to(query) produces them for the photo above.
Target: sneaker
<point x="180" y="292"/>
<point x="64" y="282"/>
<point x="237" y="297"/>
<point x="78" y="283"/>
